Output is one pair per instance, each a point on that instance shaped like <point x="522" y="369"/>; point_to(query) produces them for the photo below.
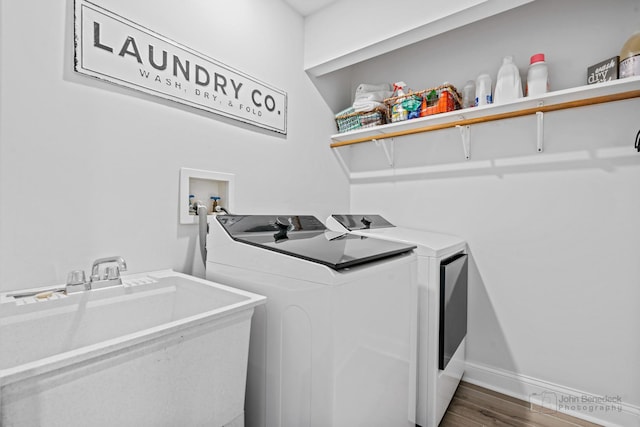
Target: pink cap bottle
<point x="537" y="76"/>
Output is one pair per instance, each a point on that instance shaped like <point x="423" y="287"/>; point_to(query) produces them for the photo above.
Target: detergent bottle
<point x="483" y="90"/>
<point x="508" y="84"/>
<point x="537" y="76"/>
<point x="469" y="94"/>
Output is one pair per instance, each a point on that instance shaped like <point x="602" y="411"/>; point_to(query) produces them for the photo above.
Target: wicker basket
<point x="432" y="101"/>
<point x="349" y="119"/>
<point x="410" y="102"/>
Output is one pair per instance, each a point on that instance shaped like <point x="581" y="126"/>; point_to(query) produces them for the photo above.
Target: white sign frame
<point x="114" y="49"/>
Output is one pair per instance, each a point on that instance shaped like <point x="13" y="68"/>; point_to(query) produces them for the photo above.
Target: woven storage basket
<point x="432" y="101"/>
<point x="348" y="119"/>
<point x="395" y="114"/>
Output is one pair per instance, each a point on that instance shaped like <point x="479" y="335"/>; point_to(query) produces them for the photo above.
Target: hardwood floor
<point x="474" y="406"/>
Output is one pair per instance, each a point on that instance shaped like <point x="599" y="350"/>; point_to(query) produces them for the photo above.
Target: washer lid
<point x="304" y="236"/>
<point x="429" y="243"/>
<point x="362" y="222"/>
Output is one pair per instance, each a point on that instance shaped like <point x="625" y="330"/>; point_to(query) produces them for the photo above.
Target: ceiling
<point x="307" y="7"/>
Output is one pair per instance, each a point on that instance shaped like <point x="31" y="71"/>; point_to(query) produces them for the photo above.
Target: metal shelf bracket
<point x="465" y="133"/>
<point x="540" y="131"/>
<point x="387" y="148"/>
<point x="342" y="162"/>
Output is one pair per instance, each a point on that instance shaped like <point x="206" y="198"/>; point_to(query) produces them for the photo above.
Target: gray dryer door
<point x="453" y="306"/>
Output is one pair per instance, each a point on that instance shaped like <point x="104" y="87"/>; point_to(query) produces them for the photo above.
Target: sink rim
<point x="131" y="340"/>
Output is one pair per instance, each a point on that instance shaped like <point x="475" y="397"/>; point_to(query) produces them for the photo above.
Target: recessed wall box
<point x="203" y="185"/>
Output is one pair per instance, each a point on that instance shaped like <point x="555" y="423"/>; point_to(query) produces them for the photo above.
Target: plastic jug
<point x="469" y="94"/>
<point x="537" y="76"/>
<point x="483" y="90"/>
<point x="508" y="84"/>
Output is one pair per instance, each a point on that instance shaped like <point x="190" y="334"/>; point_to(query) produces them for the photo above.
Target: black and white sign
<point x="112" y="48"/>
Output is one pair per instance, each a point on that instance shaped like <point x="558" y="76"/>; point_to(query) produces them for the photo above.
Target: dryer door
<point x="453" y="306"/>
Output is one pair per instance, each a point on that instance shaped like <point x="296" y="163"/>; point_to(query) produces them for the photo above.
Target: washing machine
<point x="442" y="307"/>
<point x="335" y="345"/>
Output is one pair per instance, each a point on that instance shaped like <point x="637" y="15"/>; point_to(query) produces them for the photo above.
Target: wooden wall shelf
<point x="581" y="96"/>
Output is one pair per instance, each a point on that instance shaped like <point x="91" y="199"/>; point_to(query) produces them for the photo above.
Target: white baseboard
<point x="550" y="397"/>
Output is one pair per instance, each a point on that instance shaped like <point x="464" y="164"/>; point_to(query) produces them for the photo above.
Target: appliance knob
<point x="283" y="227"/>
<point x="283" y="224"/>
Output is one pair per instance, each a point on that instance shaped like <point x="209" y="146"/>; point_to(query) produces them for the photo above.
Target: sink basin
<point x="163" y="349"/>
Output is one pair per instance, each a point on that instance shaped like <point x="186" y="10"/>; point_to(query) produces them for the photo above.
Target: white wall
<point x="362" y="29"/>
<point x="554" y="236"/>
<point x="88" y="169"/>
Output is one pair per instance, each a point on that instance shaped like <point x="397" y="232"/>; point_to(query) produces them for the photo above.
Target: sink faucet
<point x="111" y="277"/>
<point x="77" y="282"/>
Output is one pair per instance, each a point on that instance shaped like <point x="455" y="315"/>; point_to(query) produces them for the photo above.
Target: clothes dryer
<point x="335" y="343"/>
<point x="442" y="307"/>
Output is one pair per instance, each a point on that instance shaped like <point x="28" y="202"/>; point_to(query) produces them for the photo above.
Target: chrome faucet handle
<point x="76" y="282"/>
<point x="95" y="269"/>
<point x="111" y="276"/>
<point x="112" y="272"/>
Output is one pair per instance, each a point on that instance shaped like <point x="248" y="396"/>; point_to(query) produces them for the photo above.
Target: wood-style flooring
<point x="474" y="406"/>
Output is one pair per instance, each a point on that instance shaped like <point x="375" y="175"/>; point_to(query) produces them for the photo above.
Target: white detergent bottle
<point x="483" y="90"/>
<point x="537" y="76"/>
<point x="469" y="94"/>
<point x="508" y="84"/>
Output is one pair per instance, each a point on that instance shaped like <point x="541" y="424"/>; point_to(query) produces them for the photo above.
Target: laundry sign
<point x="112" y="48"/>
